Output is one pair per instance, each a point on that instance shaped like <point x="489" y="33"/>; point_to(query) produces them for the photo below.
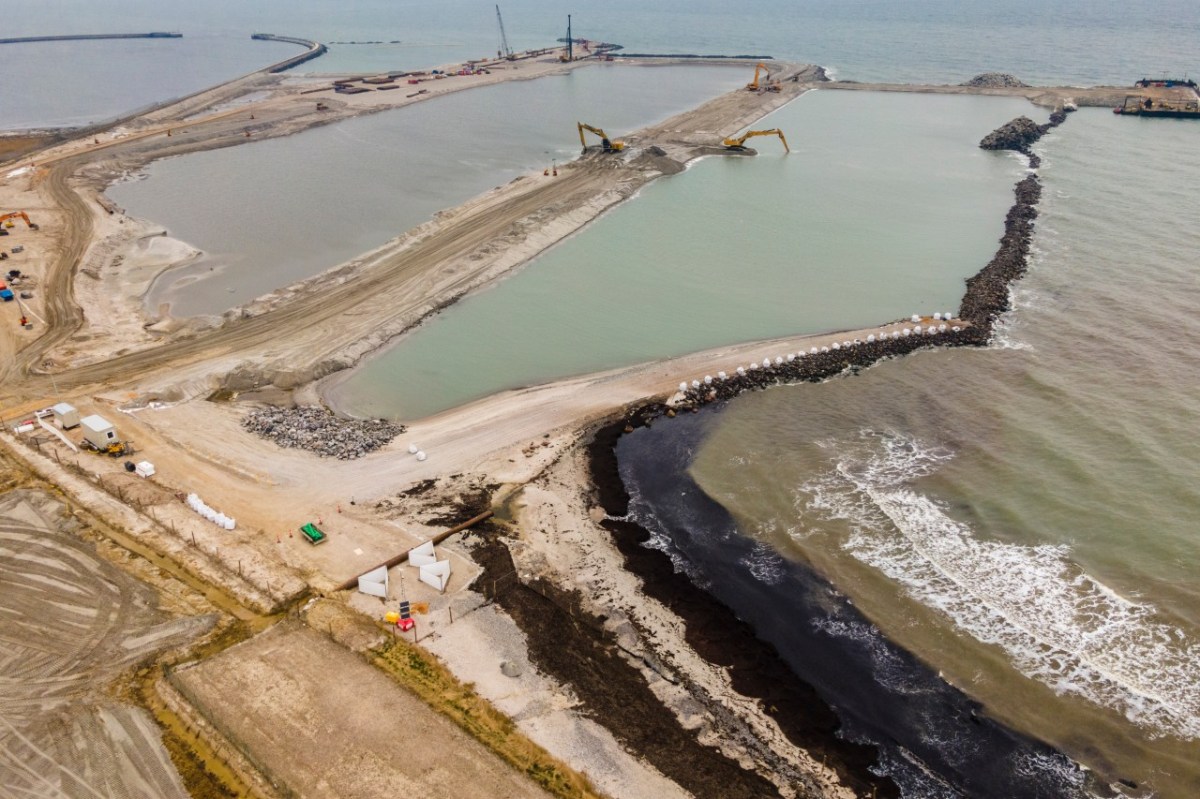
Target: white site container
<point x="99" y="432"/>
<point x="65" y="415"/>
<point x="144" y="469"/>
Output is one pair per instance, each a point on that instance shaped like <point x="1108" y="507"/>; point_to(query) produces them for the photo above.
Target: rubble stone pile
<point x="995" y="80"/>
<point x="1015" y="135"/>
<point x="317" y="430"/>
<point x="1021" y="133"/>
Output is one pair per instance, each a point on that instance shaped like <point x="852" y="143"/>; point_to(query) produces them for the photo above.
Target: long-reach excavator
<point x="606" y="143"/>
<point x="17" y="214"/>
<point x="739" y="143"/>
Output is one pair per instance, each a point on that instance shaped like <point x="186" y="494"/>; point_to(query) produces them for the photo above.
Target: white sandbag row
<point x="219" y="519"/>
<point x="413" y="449"/>
<point x="431" y="571"/>
<point x="767" y="363"/>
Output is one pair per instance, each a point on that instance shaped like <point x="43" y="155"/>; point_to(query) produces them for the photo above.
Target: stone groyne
<point x="315" y="50"/>
<point x="91" y="36"/>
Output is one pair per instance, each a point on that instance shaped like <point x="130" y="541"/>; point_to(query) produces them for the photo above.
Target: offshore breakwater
<point x="315" y="50"/>
<point x="90" y="37"/>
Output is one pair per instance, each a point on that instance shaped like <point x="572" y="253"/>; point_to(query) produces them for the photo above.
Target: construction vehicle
<point x="739" y="143"/>
<point x="6" y="219"/>
<point x="607" y="144"/>
<point x="117" y="449"/>
<point x="754" y="84"/>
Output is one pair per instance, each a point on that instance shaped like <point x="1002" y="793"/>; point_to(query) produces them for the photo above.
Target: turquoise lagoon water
<point x="883" y="207"/>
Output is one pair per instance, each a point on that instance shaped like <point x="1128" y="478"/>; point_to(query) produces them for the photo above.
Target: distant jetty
<point x="89" y="36"/>
<point x="315" y="50"/>
<point x="694" y="55"/>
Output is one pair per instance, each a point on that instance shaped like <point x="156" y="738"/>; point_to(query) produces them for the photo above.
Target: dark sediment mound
<point x="317" y="430"/>
<point x="995" y="80"/>
<point x="755" y="667"/>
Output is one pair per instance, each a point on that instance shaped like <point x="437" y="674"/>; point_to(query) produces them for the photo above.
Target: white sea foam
<point x="765" y="564"/>
<point x="1058" y="624"/>
<point x="889" y="669"/>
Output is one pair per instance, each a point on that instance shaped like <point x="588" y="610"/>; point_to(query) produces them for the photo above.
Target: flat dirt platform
<point x="323" y="722"/>
<point x="70" y="622"/>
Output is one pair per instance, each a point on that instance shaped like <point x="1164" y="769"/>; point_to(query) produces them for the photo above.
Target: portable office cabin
<point x="66" y="415"/>
<point x="99" y="432"/>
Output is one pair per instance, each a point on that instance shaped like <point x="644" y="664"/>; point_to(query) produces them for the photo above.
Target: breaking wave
<point x="1057" y="624"/>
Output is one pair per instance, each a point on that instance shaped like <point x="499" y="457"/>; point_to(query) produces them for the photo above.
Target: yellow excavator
<point x="606" y="143"/>
<point x="760" y="67"/>
<point x="739" y="143"/>
<point x="756" y="85"/>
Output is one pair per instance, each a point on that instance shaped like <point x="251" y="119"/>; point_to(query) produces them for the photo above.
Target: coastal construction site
<point x="539" y="667"/>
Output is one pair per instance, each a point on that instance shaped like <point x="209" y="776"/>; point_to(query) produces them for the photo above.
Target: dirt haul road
<point x="324" y="325"/>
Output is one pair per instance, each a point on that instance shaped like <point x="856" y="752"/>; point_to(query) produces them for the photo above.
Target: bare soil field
<point x="70" y="623"/>
<point x="322" y="722"/>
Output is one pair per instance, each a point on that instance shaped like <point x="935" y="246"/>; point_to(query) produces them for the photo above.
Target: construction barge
<point x="1171" y="98"/>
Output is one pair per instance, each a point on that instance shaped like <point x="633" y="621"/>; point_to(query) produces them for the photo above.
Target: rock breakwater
<point x="986" y="298"/>
<point x="319" y="431"/>
<point x="1021" y="133"/>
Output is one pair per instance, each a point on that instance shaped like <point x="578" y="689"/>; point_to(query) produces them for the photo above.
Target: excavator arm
<point x="739" y="143"/>
<point x="18" y="214"/>
<point x="608" y="145"/>
<point x="753" y="85"/>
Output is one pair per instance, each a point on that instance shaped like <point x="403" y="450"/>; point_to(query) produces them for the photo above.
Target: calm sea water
<point x="276" y="211"/>
<point x="1043" y="41"/>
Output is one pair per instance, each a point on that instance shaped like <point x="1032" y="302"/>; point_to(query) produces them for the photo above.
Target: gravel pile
<point x="995" y="80"/>
<point x="317" y="430"/>
<point x="1015" y="135"/>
